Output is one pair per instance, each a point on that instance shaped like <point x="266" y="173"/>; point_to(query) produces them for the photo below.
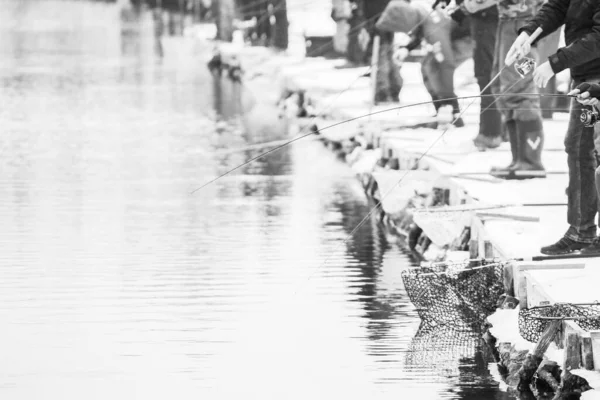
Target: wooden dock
<point x="447" y="159"/>
<point x="501" y="215"/>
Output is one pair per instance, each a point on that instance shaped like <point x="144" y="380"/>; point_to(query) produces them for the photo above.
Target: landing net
<point x="455" y="294"/>
<point x="533" y="321"/>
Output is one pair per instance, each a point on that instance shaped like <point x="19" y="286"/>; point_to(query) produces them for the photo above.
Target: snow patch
<point x="506" y="329"/>
<point x="590" y="395"/>
<point x="367" y="161"/>
<point x="593" y="377"/>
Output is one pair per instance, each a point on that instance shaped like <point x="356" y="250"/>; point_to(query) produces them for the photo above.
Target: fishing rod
<point x="523" y="68"/>
<point x="370" y="114"/>
<point x="554" y="257"/>
<point x="317" y="131"/>
<point x="471" y="207"/>
<point x="312" y="131"/>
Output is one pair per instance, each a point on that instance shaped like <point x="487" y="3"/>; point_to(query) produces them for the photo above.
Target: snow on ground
<point x="506" y="329"/>
<point x="590" y="395"/>
<point x="593" y="377"/>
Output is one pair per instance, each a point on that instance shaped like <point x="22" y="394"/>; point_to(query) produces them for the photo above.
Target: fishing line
<point x="499" y="97"/>
<point x="368" y="115"/>
<point x="284" y="144"/>
<point x="380" y="202"/>
<point x="311" y="132"/>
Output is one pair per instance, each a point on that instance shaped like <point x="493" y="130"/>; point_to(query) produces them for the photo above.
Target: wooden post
<point x="532" y="362"/>
<point x="473" y="249"/>
<point x="572" y="352"/>
<point x="488" y="249"/>
<point x="224" y="11"/>
<point x="374" y="68"/>
<point x="587" y="357"/>
<point x="595" y="335"/>
<point x="281" y="37"/>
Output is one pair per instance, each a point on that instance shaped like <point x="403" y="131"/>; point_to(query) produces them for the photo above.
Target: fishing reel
<point x="524" y="66"/>
<point x="589" y="117"/>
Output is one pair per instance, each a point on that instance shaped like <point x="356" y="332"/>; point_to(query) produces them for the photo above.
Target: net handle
<point x="595" y="303"/>
<point x="562" y="318"/>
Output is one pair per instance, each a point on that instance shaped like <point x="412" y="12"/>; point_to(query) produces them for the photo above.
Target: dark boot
<point x="511" y="128"/>
<point x="565" y="245"/>
<point x="530" y="136"/>
<point x="484" y="143"/>
<point x="457" y="121"/>
<point x="592" y="249"/>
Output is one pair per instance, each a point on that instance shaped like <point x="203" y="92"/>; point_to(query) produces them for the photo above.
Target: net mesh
<point x="442" y="227"/>
<point x="454" y="294"/>
<point x="441" y="349"/>
<point x="533" y="321"/>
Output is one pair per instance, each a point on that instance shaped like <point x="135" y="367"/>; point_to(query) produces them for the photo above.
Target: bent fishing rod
<point x="586" y="118"/>
<point x="317" y="131"/>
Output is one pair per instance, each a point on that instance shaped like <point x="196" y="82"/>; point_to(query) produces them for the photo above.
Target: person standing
<point x="442" y="34"/>
<point x="388" y="81"/>
<point x="483" y="25"/>
<point x="581" y="54"/>
<point x="355" y="54"/>
<point x="521" y="112"/>
<point x="341" y="11"/>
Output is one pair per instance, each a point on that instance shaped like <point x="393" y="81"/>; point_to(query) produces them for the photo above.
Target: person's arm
<point x="582" y="50"/>
<point x="550" y="17"/>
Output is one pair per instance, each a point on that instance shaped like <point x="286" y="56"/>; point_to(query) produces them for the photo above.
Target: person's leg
<point x="581" y="192"/>
<point x="395" y="78"/>
<point x="483" y="32"/>
<point x="511" y="128"/>
<point x="498" y="86"/>
<point x="594" y="248"/>
<point x="428" y="72"/>
<point x="390" y="74"/>
<point x="546" y="47"/>
<point x="382" y="83"/>
<point x="444" y="86"/>
<point x="523" y="108"/>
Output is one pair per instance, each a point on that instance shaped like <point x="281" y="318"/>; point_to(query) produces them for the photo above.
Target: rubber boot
<point x="502" y="172"/>
<point x="530" y="135"/>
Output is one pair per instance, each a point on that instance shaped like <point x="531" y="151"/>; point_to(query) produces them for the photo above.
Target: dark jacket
<point x="582" y="35"/>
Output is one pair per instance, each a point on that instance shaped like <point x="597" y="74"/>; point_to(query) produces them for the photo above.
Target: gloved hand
<point x="587" y="93"/>
<point x="400" y="55"/>
<point x="519" y="49"/>
<point x="443" y="3"/>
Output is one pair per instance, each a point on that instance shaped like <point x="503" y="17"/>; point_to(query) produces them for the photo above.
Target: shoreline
<point x="408" y="170"/>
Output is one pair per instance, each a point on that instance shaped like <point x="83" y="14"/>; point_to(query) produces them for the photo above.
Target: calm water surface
<point x="117" y="283"/>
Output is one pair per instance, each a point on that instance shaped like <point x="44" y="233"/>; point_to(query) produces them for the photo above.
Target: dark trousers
<point x="514" y="105"/>
<point x="546" y="47"/>
<point x="483" y="32"/>
<point x="388" y="81"/>
<point x="582" y="145"/>
<point x="438" y="79"/>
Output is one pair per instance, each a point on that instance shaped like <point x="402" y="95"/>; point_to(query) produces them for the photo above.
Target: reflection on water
<point x="115" y="282"/>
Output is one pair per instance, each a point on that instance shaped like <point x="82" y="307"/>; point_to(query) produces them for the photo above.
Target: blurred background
<point x="117" y="282"/>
